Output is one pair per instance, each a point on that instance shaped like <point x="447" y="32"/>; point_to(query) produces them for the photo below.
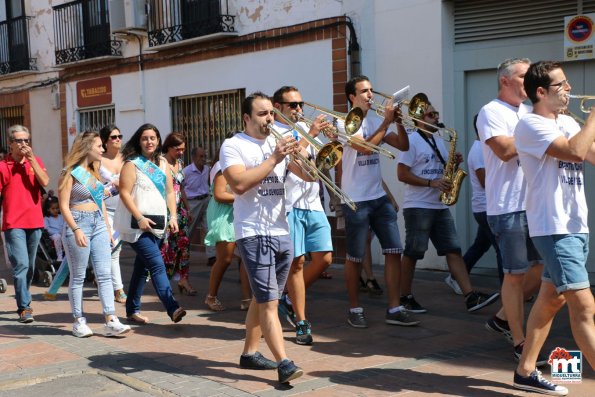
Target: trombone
<point x="327" y="157"/>
<point x="352" y="122"/>
<point x="583" y="98"/>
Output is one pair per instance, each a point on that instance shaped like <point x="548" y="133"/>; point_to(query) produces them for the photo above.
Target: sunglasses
<point x="21" y="140"/>
<point x="114" y="137"/>
<point x="294" y="105"/>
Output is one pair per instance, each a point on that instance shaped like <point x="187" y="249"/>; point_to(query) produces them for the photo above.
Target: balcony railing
<point x="14" y="46"/>
<point x="82" y="31"/>
<point x="171" y="21"/>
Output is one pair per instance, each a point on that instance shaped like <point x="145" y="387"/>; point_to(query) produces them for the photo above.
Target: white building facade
<point x="185" y="65"/>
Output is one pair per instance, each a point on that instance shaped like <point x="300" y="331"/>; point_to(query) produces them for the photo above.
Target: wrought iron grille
<point x="206" y="119"/>
<point x="96" y="118"/>
<point x="14" y="46"/>
<point x="82" y="31"/>
<point x="171" y="21"/>
<point x="9" y="116"/>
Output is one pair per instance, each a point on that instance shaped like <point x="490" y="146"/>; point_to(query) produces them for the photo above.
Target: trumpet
<point x="352" y="122"/>
<point x="328" y="156"/>
<point x="583" y="98"/>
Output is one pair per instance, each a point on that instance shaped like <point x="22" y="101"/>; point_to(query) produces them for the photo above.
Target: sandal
<point x="136" y="318"/>
<point x="120" y="296"/>
<point x="326" y="275"/>
<point x="187" y="289"/>
<point x="178" y="315"/>
<point x="214" y="304"/>
<point x="245" y="305"/>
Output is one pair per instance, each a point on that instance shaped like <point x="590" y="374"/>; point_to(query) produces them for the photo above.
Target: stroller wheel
<point x="46" y="278"/>
<point x="3" y="286"/>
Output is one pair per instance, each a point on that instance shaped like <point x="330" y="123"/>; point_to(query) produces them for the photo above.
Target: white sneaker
<point x="80" y="329"/>
<point x="452" y="283"/>
<point x="115" y="327"/>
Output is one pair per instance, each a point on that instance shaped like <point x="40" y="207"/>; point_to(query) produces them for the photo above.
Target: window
<point x="206" y="119"/>
<point x="96" y="118"/>
<point x="14" y="38"/>
<point x="9" y="116"/>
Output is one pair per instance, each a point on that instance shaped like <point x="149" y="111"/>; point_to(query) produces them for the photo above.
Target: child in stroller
<point x="49" y="251"/>
<point x="54" y="223"/>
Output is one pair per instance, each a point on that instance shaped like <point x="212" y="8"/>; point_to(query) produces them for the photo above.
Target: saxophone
<point x="452" y="173"/>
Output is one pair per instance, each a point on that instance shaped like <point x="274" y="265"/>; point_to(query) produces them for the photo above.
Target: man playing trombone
<point x="362" y="181"/>
<point x="309" y="227"/>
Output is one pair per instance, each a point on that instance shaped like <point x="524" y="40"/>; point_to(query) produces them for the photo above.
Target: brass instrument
<point x="452" y="173"/>
<point x="583" y="98"/>
<point x="352" y="121"/>
<point x="327" y="157"/>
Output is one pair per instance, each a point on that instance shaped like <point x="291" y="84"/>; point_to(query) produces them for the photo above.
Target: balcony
<point x="14" y="46"/>
<point x="82" y="31"/>
<point x="172" y="21"/>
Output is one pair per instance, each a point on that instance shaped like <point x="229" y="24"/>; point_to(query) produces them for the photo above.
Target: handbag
<point x="158" y="219"/>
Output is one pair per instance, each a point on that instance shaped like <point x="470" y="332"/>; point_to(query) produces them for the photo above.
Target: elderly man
<point x="22" y="177"/>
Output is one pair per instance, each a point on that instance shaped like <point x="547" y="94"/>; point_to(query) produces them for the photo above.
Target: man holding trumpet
<point x="254" y="163"/>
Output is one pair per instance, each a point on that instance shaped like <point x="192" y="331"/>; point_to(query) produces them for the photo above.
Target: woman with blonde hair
<point x="86" y="232"/>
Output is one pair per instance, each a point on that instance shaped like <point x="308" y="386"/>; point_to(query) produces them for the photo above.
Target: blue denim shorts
<point x="424" y="224"/>
<point x="512" y="235"/>
<point x="565" y="259"/>
<point x="310" y="231"/>
<point x="267" y="260"/>
<point x="380" y="216"/>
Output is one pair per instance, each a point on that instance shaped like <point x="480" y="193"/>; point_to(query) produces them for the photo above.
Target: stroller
<point x="46" y="262"/>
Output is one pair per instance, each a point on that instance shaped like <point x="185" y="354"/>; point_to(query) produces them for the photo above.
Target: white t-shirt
<point x="505" y="183"/>
<point x="299" y="193"/>
<point x="260" y="211"/>
<point x="423" y="162"/>
<point x="214" y="170"/>
<point x="556" y="189"/>
<point x="475" y="162"/>
<point x="362" y="178"/>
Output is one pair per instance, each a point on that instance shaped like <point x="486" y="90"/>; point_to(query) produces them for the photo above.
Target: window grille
<point x="96" y="118"/>
<point x="205" y="119"/>
<point x="9" y="116"/>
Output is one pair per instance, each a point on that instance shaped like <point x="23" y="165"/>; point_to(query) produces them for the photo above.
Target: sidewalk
<point x="449" y="354"/>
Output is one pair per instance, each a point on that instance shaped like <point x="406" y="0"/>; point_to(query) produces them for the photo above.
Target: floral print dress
<point x="175" y="249"/>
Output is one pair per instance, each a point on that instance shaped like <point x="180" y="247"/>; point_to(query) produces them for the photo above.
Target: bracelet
<point x="75" y="229"/>
<point x="139" y="220"/>
<point x="429" y="182"/>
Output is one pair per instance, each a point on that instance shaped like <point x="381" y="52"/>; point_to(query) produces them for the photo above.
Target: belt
<point x="202" y="196"/>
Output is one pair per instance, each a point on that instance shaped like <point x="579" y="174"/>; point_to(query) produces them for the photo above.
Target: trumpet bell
<point x="353" y="120"/>
<point x="329" y="155"/>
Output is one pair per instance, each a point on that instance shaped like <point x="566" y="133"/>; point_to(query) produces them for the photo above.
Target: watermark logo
<point x="567" y="365"/>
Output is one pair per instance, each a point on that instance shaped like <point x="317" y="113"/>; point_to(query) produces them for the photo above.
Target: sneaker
<point x="114" y="327"/>
<point x="538" y="384"/>
<point x="542" y="361"/>
<point x="400" y="318"/>
<point x="303" y="333"/>
<point x="26" y="316"/>
<point x="357" y="320"/>
<point x="499" y="326"/>
<point x="411" y="304"/>
<point x="286" y="311"/>
<point x="287" y="371"/>
<point x="362" y="285"/>
<point x="373" y="287"/>
<point x="80" y="329"/>
<point x="452" y="283"/>
<point x="477" y="300"/>
<point x="256" y="361"/>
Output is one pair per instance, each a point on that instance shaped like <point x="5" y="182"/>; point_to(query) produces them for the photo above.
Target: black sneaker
<point x="287" y="371"/>
<point x="400" y="318"/>
<point x="303" y="333"/>
<point x="373" y="288"/>
<point x="357" y="320"/>
<point x="500" y="327"/>
<point x="477" y="300"/>
<point x="256" y="361"/>
<point x="286" y="311"/>
<point x="411" y="305"/>
<point x="362" y="285"/>
<point x="538" y="384"/>
<point x="26" y="316"/>
<point x="542" y="361"/>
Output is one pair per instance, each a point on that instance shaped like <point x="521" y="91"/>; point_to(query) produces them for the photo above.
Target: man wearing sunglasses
<point x="505" y="198"/>
<point x="22" y="177"/>
<point x="421" y="168"/>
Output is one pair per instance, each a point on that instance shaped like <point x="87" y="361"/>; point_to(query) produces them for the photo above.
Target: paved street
<point x="450" y="354"/>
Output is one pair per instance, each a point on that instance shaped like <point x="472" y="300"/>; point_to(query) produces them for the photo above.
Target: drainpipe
<point x="353" y="51"/>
